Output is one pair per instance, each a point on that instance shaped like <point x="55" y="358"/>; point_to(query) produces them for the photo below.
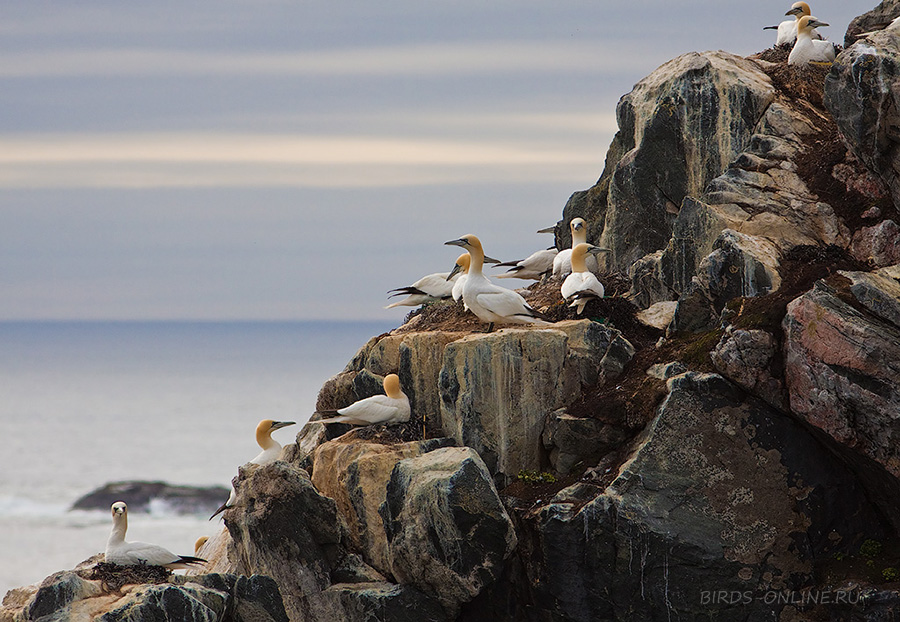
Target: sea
<point x="87" y="403"/>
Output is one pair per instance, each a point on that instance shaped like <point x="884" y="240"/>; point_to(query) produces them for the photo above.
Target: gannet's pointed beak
<point x="456" y="268"/>
<point x="794" y="11"/>
<point x="460" y="242"/>
<point x="490" y="260"/>
<point x="814" y="23"/>
<point x="596" y="250"/>
<point x="276" y="425"/>
<point x="548" y="230"/>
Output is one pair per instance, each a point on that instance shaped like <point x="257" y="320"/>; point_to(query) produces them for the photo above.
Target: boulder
<point x="878" y="245"/>
<point x="355" y="474"/>
<point x="575" y="440"/>
<point x="721" y="493"/>
<point x="498" y="388"/>
<point x="876" y="19"/>
<point x="380" y="601"/>
<point x="746" y="358"/>
<point x="840" y="339"/>
<point x="448" y="532"/>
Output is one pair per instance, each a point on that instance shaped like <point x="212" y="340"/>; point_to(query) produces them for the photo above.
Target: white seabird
<point x="582" y="285"/>
<point x="492" y="303"/>
<point x="393" y="407"/>
<point x="787" y="30"/>
<point x="534" y="267"/>
<point x="462" y="267"/>
<point x="123" y="553"/>
<point x="562" y="264"/>
<point x="271" y="451"/>
<point x="437" y="286"/>
<point x="808" y="50"/>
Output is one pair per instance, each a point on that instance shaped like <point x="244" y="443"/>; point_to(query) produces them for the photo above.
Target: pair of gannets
<point x="536" y="266"/>
<point x="562" y="264"/>
<point x="491" y="303"/>
<point x="807" y="49"/>
<point x="431" y="287"/>
<point x="271" y="451"/>
<point x="582" y="285"/>
<point x="787" y="30"/>
<point x="393" y="407"/>
<point x="123" y="553"/>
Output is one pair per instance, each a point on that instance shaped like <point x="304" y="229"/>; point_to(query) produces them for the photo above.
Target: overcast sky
<point x="273" y="159"/>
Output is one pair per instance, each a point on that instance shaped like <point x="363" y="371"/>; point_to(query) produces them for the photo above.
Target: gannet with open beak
<point x="271" y="451"/>
<point x="393" y="407"/>
<point x="787" y="30"/>
<point x="492" y="303"/>
<point x="808" y="50"/>
<point x="461" y="267"/>
<point x="562" y="264"/>
<point x="582" y="285"/>
<point x="123" y="553"/>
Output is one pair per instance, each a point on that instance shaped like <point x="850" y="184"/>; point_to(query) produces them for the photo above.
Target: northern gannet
<point x="787" y="30"/>
<point x="582" y="285"/>
<point x="808" y="50"/>
<point x="562" y="264"/>
<point x="462" y="267"/>
<point x="123" y="553"/>
<point x="535" y="266"/>
<point x="271" y="451"/>
<point x="199" y="543"/>
<point x="437" y="286"/>
<point x="492" y="303"/>
<point x="393" y="407"/>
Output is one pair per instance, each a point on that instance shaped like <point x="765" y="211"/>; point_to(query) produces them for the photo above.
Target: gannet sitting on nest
<point x="437" y="286"/>
<point x="492" y="303"/>
<point x="807" y="50"/>
<point x="535" y="266"/>
<point x="787" y="30"/>
<point x="562" y="264"/>
<point x="123" y="553"/>
<point x="580" y="286"/>
<point x="461" y="267"/>
<point x="271" y="451"/>
<point x="393" y="407"/>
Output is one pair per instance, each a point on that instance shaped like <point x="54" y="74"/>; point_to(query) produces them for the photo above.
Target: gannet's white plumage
<point x="393" y="407"/>
<point x="808" y="50"/>
<point x="535" y="266"/>
<point x="491" y="303"/>
<point x="562" y="264"/>
<point x="429" y="288"/>
<point x="461" y="267"/>
<point x="271" y="451"/>
<point x="582" y="285"/>
<point x="123" y="553"/>
<point x="787" y="30"/>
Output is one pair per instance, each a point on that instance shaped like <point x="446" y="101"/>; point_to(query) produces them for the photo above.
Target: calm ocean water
<point x="83" y="404"/>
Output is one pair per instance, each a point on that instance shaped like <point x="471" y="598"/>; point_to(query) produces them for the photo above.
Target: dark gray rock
<point x="876" y="19"/>
<point x="383" y="602"/>
<point x="167" y="602"/>
<point x="140" y="496"/>
<point x="722" y="493"/>
<point x="57" y="592"/>
<point x="577" y="440"/>
<point x="746" y="358"/>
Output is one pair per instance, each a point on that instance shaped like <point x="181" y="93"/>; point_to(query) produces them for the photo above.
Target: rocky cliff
<point x="730" y="457"/>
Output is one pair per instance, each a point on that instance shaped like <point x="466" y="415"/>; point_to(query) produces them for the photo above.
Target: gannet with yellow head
<point x="271" y="451"/>
<point x="787" y="30"/>
<point x="808" y="50"/>
<point x="392" y="407"/>
<point x="491" y="303"/>
<point x="582" y="285"/>
<point x="123" y="553"/>
<point x="562" y="264"/>
<point x="199" y="543"/>
<point x="461" y="267"/>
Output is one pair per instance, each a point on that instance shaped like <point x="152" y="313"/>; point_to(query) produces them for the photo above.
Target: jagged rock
<point x="355" y="474"/>
<point x="354" y="570"/>
<point x="721" y="493"/>
<point x="497" y="388"/>
<point x="658" y="315"/>
<point x="678" y="128"/>
<point x="694" y="311"/>
<point x="878" y="245"/>
<point x="745" y="357"/>
<point x="447" y="529"/>
<point x="860" y="94"/>
<point x="284" y="528"/>
<point x="664" y="371"/>
<point x="143" y="496"/>
<point x="876" y="19"/>
<point x="73" y="595"/>
<point x="379" y="601"/>
<point x="841" y="345"/>
<point x="572" y="440"/>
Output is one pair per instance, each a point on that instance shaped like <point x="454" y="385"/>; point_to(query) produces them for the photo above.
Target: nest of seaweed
<point x="114" y="576"/>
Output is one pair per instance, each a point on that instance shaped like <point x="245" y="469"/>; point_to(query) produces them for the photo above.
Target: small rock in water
<point x="143" y="496"/>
